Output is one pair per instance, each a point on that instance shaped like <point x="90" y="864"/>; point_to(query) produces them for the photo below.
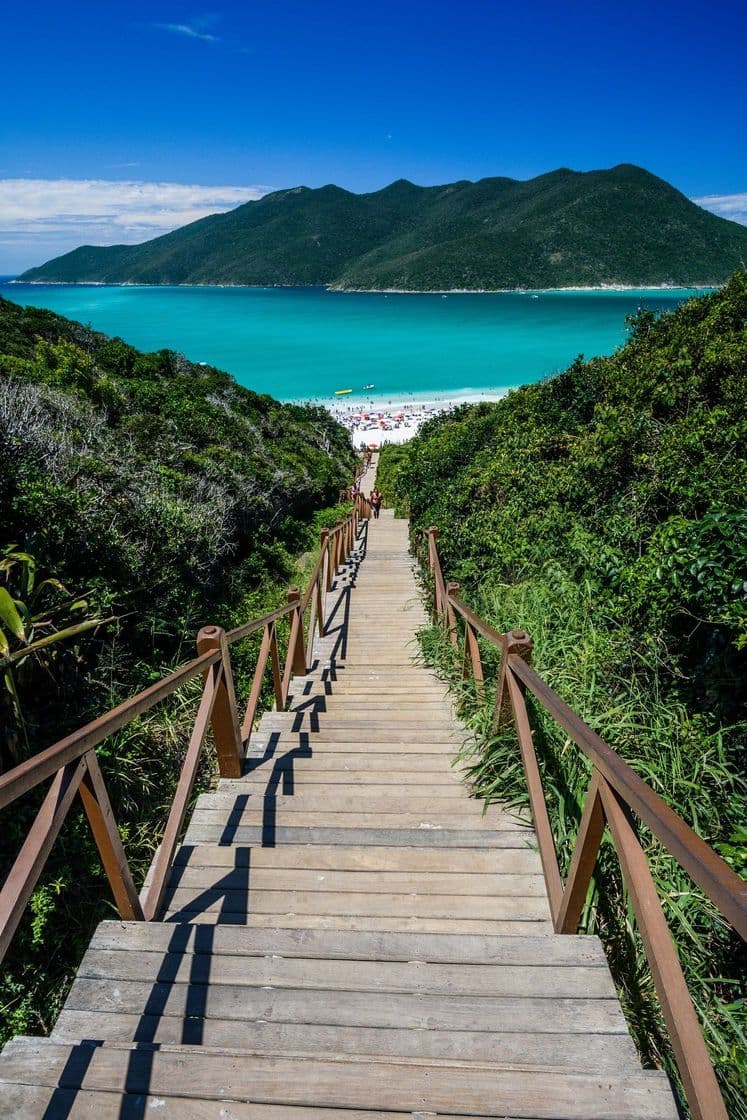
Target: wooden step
<point x="412" y="862"/>
<point x="346" y="1082"/>
<point x="272" y="878"/>
<point x="359" y="800"/>
<point x="545" y="950"/>
<point x="273" y="834"/>
<point x="602" y="1053"/>
<point x="247" y="902"/>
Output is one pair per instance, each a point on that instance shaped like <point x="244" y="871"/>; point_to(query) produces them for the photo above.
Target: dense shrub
<point x="604" y="511"/>
<point x="168" y="497"/>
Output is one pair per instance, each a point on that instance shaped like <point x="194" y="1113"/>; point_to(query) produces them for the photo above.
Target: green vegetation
<point x="620" y="226"/>
<point x="604" y="512"/>
<point x="156" y="496"/>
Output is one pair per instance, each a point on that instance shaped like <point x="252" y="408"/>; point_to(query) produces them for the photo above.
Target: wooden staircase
<point x="346" y="936"/>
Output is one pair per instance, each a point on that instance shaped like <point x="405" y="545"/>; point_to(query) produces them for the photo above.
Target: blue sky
<point x="121" y="121"/>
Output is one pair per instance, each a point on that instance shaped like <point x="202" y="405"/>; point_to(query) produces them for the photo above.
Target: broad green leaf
<point x="4" y="644"/>
<point x="10" y="616"/>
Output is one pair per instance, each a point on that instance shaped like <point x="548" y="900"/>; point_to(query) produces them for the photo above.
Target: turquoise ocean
<point x="301" y="343"/>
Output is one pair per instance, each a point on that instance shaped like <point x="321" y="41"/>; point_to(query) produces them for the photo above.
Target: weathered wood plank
<point x="441" y="783"/>
<point x="463" y="949"/>
<point x="85" y="1104"/>
<point x="429" y="819"/>
<point x="348" y="1082"/>
<point x="453" y="884"/>
<point x="348" y="975"/>
<point x="273" y="835"/>
<point x="390" y="802"/>
<point x="227" y="900"/>
<point x="602" y="1053"/>
<point x="429" y="766"/>
<point x="410" y="861"/>
<point x="404" y="1011"/>
<point x="358" y="922"/>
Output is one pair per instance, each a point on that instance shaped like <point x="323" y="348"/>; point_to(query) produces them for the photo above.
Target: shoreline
<point x="664" y="287"/>
<point x="399" y="420"/>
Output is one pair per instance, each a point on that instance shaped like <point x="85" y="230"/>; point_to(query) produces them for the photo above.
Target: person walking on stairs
<point x="375" y="501"/>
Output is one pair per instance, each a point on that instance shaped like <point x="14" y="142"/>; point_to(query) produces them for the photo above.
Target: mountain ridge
<point x="564" y="228"/>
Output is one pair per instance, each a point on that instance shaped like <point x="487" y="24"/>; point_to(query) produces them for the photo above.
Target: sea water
<point x="304" y="343"/>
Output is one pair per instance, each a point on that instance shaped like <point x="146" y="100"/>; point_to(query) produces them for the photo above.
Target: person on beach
<point x="375" y="501"/>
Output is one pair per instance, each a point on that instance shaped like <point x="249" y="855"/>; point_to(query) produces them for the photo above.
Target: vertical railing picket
<point x="100" y="815"/>
<point x="518" y="642"/>
<point x="296" y="648"/>
<point x="225" y="720"/>
<point x="451" y="624"/>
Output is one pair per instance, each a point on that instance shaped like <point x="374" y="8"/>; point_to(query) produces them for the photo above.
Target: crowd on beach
<point x="374" y="426"/>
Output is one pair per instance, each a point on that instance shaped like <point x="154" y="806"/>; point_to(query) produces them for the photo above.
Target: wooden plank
<point x="357" y="903"/>
<point x="600" y="1053"/>
<point x="348" y="1082"/>
<point x="359" y="800"/>
<point x="430" y="819"/>
<point x="84" y="1104"/>
<point x="454" y="885"/>
<point x="404" y="1011"/>
<point x="337" y="740"/>
<point x="369" y="923"/>
<point x="412" y="861"/>
<point x="359" y="737"/>
<point x="363" y="722"/>
<point x="409" y="783"/>
<point x="428" y="766"/>
<point x="438" y="948"/>
<point x="273" y="835"/>
<point x="349" y="975"/>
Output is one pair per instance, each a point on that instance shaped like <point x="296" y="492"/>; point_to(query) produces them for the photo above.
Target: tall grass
<point x="624" y="687"/>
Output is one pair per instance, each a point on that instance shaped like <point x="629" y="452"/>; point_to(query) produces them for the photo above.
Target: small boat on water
<point x="369" y="386"/>
<point x="342" y="392"/>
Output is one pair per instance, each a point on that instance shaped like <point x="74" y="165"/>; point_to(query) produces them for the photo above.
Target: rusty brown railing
<point x="74" y="768"/>
<point x="616" y="795"/>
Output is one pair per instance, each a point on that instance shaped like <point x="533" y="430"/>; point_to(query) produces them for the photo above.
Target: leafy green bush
<point x="176" y="499"/>
<point x="603" y="511"/>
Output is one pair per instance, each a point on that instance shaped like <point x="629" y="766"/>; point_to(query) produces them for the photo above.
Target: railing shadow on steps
<point x="72" y="764"/>
<point x="615" y="797"/>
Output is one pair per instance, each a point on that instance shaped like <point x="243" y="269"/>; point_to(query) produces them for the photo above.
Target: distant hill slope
<point x="567" y="228"/>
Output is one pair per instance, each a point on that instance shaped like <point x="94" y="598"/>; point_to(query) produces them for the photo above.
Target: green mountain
<point x="621" y="226"/>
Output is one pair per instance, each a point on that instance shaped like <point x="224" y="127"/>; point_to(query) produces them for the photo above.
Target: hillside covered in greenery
<point x="141" y="497"/>
<point x="604" y="512"/>
<point x="566" y="228"/>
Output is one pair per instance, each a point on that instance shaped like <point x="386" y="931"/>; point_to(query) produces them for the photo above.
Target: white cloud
<point x="732" y="206"/>
<point x="41" y="218"/>
<point x="190" y="32"/>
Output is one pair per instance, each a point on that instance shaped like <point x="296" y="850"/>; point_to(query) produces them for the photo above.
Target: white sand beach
<point x="397" y="421"/>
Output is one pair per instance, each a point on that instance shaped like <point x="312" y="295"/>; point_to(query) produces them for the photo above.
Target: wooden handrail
<point x="74" y="769"/>
<point x="35" y="770"/>
<point x="726" y="890"/>
<point x="615" y="792"/>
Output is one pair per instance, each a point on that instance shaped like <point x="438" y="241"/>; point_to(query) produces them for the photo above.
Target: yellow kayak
<point x="342" y="392"/>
